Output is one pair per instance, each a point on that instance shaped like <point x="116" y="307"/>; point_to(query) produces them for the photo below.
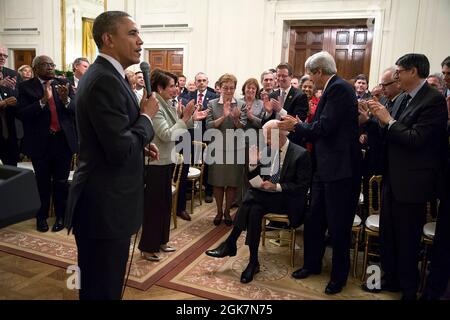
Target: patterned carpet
<point x="59" y="249"/>
<point x="214" y="278"/>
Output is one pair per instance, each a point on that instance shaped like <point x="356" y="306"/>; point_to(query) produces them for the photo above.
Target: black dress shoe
<point x="222" y="251"/>
<point x="303" y="273"/>
<point x="208" y="199"/>
<point x="227" y="219"/>
<point x="217" y="219"/>
<point x="249" y="272"/>
<point x="41" y="225"/>
<point x="59" y="225"/>
<point x="184" y="215"/>
<point x="333" y="287"/>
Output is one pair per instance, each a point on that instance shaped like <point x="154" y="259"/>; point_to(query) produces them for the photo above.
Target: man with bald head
<point x="390" y="87"/>
<point x="45" y="107"/>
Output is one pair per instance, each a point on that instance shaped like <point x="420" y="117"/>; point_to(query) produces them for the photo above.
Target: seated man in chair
<point x="283" y="190"/>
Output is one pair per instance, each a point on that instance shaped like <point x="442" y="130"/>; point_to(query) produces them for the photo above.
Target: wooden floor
<point x="24" y="279"/>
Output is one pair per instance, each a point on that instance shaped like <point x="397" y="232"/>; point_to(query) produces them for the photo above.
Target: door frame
<point x="282" y="29"/>
<point x="167" y="46"/>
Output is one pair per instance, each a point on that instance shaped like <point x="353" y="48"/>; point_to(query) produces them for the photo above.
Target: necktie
<point x="275" y="177"/>
<point x="200" y="98"/>
<point x="282" y="97"/>
<point x="54" y="123"/>
<point x="402" y="106"/>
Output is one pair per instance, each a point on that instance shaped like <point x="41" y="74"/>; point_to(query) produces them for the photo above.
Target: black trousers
<point x="102" y="263"/>
<point x="400" y="237"/>
<point x="181" y="203"/>
<point x="157" y="207"/>
<point x="255" y="205"/>
<point x="439" y="275"/>
<point x="52" y="170"/>
<point x="333" y="207"/>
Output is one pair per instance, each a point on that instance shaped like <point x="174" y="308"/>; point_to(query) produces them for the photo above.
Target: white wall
<point x="245" y="37"/>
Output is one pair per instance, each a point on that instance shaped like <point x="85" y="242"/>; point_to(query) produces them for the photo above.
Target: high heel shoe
<point x="218" y="219"/>
<point x="150" y="256"/>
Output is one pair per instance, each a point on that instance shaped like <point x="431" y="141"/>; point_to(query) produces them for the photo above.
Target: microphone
<point x="145" y="68"/>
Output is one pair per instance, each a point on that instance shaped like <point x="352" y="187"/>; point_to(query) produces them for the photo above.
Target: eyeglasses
<point x="384" y="85"/>
<point x="4" y="55"/>
<point x="47" y="65"/>
<point x="398" y="71"/>
<point x="228" y="88"/>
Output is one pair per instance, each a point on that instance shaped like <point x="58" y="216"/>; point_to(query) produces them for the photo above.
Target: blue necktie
<point x="275" y="177"/>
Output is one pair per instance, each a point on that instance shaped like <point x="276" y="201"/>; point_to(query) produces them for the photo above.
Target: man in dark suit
<point x="47" y="113"/>
<point x="184" y="92"/>
<point x="201" y="96"/>
<point x="79" y="68"/>
<point x="283" y="191"/>
<point x="336" y="173"/>
<point x="9" y="149"/>
<point x="105" y="204"/>
<point x="288" y="98"/>
<point x="415" y="134"/>
<point x="8" y="77"/>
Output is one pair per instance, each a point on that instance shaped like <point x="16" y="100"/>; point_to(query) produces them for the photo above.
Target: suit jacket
<point x="36" y="120"/>
<point x="416" y="147"/>
<point x="10" y="144"/>
<point x="295" y="103"/>
<point x="12" y="73"/>
<point x="334" y="133"/>
<point x="106" y="195"/>
<point x="166" y="125"/>
<point x="208" y="96"/>
<point x="295" y="178"/>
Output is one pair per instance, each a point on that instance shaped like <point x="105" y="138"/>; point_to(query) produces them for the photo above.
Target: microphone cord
<point x="129" y="267"/>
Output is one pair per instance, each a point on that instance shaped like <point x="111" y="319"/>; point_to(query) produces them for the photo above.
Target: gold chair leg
<point x="423" y="269"/>
<point x="355" y="253"/>
<point x="192" y="197"/>
<point x="293" y="231"/>
<point x="366" y="250"/>
<point x="174" y="211"/>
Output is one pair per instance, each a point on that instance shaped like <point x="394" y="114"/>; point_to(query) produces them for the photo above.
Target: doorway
<point x="349" y="42"/>
<point x="167" y="59"/>
<point x="23" y="56"/>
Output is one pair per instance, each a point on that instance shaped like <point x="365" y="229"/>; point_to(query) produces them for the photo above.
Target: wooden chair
<point x="196" y="171"/>
<point x="429" y="230"/>
<point x="356" y="231"/>
<point x="372" y="223"/>
<point x="279" y="218"/>
<point x="176" y="187"/>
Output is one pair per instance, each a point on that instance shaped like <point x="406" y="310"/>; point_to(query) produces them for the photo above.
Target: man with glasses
<point x="390" y="87"/>
<point x="44" y="105"/>
<point x="415" y="135"/>
<point x="8" y="77"/>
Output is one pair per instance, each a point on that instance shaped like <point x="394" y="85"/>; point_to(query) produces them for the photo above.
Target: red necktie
<point x="200" y="98"/>
<point x="54" y="123"/>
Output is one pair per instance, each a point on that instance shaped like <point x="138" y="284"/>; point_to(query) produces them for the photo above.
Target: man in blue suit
<point x="336" y="173"/>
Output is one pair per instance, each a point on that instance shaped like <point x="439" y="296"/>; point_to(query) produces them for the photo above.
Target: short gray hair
<point x="77" y="61"/>
<point x="273" y="124"/>
<point x="321" y="61"/>
<point x="264" y="73"/>
<point x="37" y="60"/>
<point x="439" y="77"/>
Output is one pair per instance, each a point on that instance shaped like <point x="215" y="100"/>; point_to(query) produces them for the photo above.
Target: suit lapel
<point x="287" y="159"/>
<point x="124" y="83"/>
<point x="415" y="102"/>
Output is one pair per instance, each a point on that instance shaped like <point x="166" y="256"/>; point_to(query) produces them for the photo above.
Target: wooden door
<point x="23" y="56"/>
<point x="350" y="46"/>
<point x="351" y="49"/>
<point x="167" y="59"/>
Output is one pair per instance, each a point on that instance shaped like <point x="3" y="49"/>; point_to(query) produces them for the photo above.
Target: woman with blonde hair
<point x="26" y="72"/>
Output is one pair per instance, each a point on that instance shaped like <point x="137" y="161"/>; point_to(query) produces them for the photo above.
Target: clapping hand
<point x="379" y="111"/>
<point x="199" y="114"/>
<point x="267" y="185"/>
<point x="236" y="113"/>
<point x="10" y="101"/>
<point x="63" y="92"/>
<point x="8" y="81"/>
<point x="226" y="108"/>
<point x="254" y="155"/>
<point x="288" y="122"/>
<point x="188" y="111"/>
